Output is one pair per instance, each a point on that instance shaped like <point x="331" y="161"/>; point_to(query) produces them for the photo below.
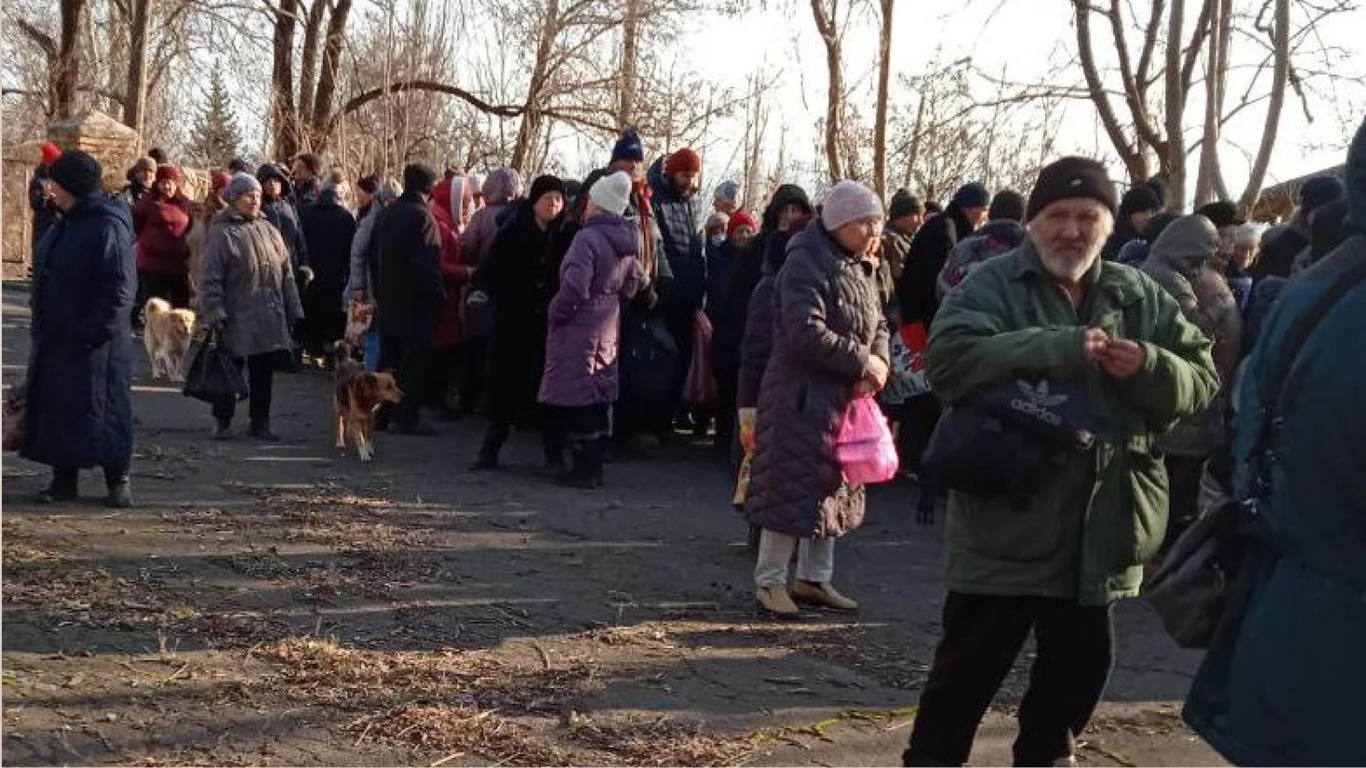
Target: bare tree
<point x="884" y="73"/>
<point x="826" y="15"/>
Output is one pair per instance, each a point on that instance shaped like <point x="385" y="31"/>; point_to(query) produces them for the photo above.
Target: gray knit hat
<point x="849" y="201"/>
<point x="241" y="184"/>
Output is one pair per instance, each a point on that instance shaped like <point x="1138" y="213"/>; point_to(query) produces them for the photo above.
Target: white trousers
<point x="815" y="559"/>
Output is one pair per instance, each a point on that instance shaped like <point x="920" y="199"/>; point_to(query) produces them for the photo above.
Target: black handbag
<point x="1190" y="590"/>
<point x="650" y="363"/>
<point x="213" y="374"/>
<point x="1006" y="440"/>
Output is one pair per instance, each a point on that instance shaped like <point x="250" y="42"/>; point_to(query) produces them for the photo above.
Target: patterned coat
<point x="247" y="284"/>
<point x="827" y="323"/>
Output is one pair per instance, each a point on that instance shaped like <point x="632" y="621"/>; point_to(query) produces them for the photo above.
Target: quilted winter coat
<point x="80" y="402"/>
<point x="827" y="323"/>
<point x="599" y="272"/>
<point x="247" y="284"/>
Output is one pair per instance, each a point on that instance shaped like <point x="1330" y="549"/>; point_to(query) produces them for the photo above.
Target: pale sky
<point x="1019" y="33"/>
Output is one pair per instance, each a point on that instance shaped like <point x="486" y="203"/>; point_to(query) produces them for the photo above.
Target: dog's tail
<point x="157" y="306"/>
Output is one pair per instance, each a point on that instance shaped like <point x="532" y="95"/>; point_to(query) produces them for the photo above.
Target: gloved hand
<point x="306" y="275"/>
<point x="748" y="419"/>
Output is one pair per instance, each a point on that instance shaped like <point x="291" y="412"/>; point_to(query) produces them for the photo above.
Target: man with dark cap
<point x="1280" y="247"/>
<point x="1140" y="203"/>
<point x="140" y="177"/>
<point x="1053" y="320"/>
<point x="408" y="295"/>
<point x="79" y="408"/>
<point x="905" y="214"/>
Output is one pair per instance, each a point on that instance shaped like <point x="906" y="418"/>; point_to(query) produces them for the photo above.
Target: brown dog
<point x="166" y="334"/>
<point x="359" y="394"/>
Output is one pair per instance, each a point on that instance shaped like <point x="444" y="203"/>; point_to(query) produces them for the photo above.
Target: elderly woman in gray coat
<point x="247" y="292"/>
<point x="829" y="345"/>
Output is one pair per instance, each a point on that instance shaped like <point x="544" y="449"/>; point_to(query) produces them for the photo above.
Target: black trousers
<point x="260" y="385"/>
<point x="473" y="371"/>
<point x="67" y="478"/>
<point x="983" y="634"/>
<point x="1184" y="474"/>
<point x="412" y="359"/>
<point x="727" y="390"/>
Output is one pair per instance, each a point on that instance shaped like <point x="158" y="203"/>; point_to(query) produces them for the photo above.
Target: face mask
<point x="717" y="239"/>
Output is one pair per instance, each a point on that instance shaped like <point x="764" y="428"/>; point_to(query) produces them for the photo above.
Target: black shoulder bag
<point x="1190" y="589"/>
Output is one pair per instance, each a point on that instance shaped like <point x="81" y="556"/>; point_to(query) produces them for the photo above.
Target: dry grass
<point x="475" y="702"/>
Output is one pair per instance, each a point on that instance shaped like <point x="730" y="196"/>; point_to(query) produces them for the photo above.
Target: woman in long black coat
<point x="328" y="228"/>
<point x="518" y="276"/>
<point x="79" y="408"/>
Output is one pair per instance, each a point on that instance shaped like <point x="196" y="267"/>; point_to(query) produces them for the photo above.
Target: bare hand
<point x="876" y="372"/>
<point x="865" y="387"/>
<point x="1123" y="358"/>
<point x="1094" y="345"/>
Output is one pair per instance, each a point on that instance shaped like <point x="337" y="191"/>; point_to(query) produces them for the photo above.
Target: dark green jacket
<point x="1087" y="532"/>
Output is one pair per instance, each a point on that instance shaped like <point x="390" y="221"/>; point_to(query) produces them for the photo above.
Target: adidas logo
<point x="1037" y="401"/>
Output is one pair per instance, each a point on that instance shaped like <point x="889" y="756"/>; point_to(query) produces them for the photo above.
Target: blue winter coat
<point x="1281" y="684"/>
<point x="680" y="233"/>
<point x="79" y="411"/>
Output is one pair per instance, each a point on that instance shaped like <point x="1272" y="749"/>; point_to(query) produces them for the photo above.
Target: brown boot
<point x="776" y="601"/>
<point x="822" y="594"/>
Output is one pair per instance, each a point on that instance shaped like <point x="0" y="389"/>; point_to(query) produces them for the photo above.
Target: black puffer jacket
<point x="917" y="290"/>
<point x="827" y="324"/>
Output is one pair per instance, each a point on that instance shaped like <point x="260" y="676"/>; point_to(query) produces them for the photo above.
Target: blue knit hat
<point x="972" y="195"/>
<point x="628" y="147"/>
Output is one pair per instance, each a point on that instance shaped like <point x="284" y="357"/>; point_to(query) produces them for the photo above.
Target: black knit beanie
<point x="544" y="185"/>
<point x="903" y="203"/>
<point x="1071" y="178"/>
<point x="1221" y="213"/>
<point x="1007" y="205"/>
<point x="76" y="172"/>
<point x="1139" y="199"/>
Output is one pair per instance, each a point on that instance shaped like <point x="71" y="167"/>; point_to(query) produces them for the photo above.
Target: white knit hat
<point x="849" y="201"/>
<point x="612" y="192"/>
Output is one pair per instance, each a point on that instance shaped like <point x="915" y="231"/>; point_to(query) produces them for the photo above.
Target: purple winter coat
<point x="599" y="271"/>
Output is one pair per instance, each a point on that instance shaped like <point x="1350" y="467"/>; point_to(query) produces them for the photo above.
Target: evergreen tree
<point x="216" y="139"/>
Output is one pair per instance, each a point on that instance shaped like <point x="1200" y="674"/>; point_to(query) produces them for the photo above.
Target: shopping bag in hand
<point x="699" y="387"/>
<point x="864" y="445"/>
<point x="213" y="374"/>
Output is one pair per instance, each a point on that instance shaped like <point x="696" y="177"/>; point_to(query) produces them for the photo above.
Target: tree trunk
<point x="528" y="133"/>
<point x="284" y="118"/>
<point x="308" y="67"/>
<point x="1135" y="161"/>
<point x="630" y="64"/>
<point x="66" y="73"/>
<point x="1280" y="77"/>
<point x="134" y="103"/>
<point x="913" y="154"/>
<point x="1174" y="158"/>
<point x="327" y="75"/>
<point x="825" y="25"/>
<point x="1215" y="77"/>
<point x="884" y="73"/>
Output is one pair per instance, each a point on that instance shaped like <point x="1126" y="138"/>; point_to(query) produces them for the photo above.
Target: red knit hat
<point x="51" y="152"/>
<point x="683" y="161"/>
<point x="741" y="219"/>
<point x="165" y="172"/>
<point x="220" y="180"/>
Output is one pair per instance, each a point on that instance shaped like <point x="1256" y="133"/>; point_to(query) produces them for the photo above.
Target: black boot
<point x="261" y="431"/>
<point x="63" y="487"/>
<point x="120" y="489"/>
<point x="494" y="437"/>
<point x="586" y="471"/>
<point x="222" y="429"/>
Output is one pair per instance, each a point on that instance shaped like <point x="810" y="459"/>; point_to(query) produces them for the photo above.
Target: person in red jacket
<point x="455" y="274"/>
<point x="161" y="223"/>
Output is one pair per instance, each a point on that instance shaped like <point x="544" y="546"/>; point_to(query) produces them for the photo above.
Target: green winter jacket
<point x="1087" y="532"/>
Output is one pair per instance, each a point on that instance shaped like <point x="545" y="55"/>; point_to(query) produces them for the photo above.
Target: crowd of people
<point x="585" y="311"/>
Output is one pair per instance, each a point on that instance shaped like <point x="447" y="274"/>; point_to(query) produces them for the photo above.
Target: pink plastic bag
<point x="864" y="445"/>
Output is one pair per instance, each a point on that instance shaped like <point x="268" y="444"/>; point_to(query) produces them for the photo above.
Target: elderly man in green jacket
<point x="1053" y="309"/>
